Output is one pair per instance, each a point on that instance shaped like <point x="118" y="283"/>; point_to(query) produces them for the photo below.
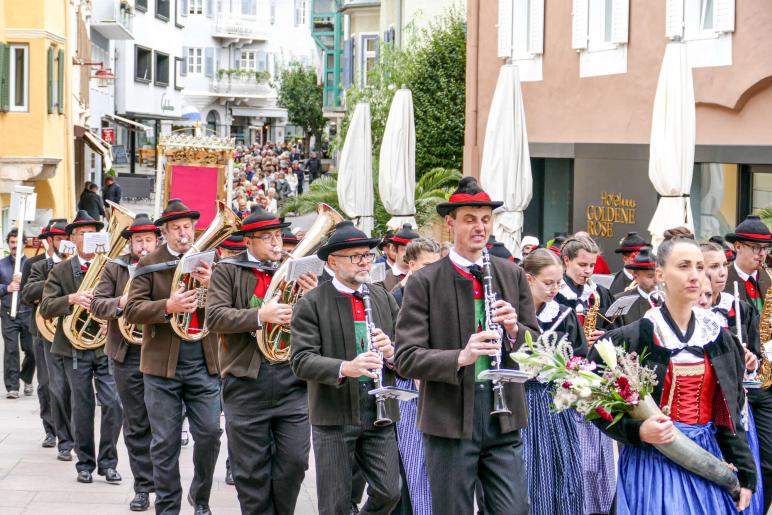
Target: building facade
<point x="589" y="71"/>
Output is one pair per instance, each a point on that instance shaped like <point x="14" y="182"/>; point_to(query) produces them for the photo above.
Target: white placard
<point x="621" y="306"/>
<point x="96" y="242"/>
<point x="300" y="266"/>
<point x="189" y="263"/>
<point x="378" y="273"/>
<point x="67" y="248"/>
<point x="603" y="280"/>
<point x="29" y="206"/>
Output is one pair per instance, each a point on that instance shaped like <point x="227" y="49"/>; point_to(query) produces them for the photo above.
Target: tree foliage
<point x="301" y="94"/>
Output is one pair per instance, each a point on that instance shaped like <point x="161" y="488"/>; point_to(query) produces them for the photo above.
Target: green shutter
<point x="50" y="79"/>
<point x="60" y="82"/>
<point x="5" y="77"/>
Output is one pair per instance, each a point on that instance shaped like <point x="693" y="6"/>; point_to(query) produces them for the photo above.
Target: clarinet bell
<point x="381" y="419"/>
<point x="499" y="402"/>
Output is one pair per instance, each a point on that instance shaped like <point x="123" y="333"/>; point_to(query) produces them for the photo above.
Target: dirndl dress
<point x="553" y="460"/>
<point x="411" y="451"/>
<point x="757" y="501"/>
<point x="597" y="466"/>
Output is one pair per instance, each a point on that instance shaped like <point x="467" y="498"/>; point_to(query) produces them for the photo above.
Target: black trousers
<point x="44" y="394"/>
<point x="199" y="392"/>
<point x="373" y="449"/>
<point x="61" y="399"/>
<point x="761" y="403"/>
<point x="266" y="420"/>
<point x="83" y="374"/>
<point x="454" y="465"/>
<point x="15" y="333"/>
<point x="136" y="425"/>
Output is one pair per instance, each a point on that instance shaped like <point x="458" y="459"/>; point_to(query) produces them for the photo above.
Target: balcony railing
<point x="241" y="86"/>
<point x="113" y="20"/>
<point x="242" y="26"/>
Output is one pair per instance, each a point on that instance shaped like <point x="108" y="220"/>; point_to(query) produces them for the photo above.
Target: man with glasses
<point x="265" y="404"/>
<point x="330" y="351"/>
<point x="751" y="240"/>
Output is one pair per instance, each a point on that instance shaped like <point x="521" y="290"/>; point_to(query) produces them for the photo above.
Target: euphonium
<point x="224" y="224"/>
<point x="765" y="334"/>
<point x="85" y="331"/>
<point x="271" y="336"/>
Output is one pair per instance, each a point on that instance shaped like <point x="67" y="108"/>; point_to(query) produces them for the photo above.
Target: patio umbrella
<point x="505" y="172"/>
<point x="673" y="133"/>
<point x="355" y="173"/>
<point x="396" y="171"/>
<point x="191" y="113"/>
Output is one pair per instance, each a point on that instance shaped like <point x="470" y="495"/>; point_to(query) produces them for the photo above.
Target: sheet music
<point x="304" y="265"/>
<point x="621" y="306"/>
<point x="378" y="273"/>
<point x="94" y="242"/>
<point x="67" y="248"/>
<point x="603" y="280"/>
<point x="189" y="263"/>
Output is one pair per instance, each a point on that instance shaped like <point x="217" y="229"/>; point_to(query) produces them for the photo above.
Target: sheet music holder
<point x="504" y="375"/>
<point x="620" y="306"/>
<point x="393" y="392"/>
<point x="604" y="280"/>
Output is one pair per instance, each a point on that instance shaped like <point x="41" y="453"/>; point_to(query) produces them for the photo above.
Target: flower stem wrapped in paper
<point x="606" y="392"/>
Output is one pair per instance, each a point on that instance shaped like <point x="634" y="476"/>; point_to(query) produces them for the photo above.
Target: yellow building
<point x="36" y="127"/>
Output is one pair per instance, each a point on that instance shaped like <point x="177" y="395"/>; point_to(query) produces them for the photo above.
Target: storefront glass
<point x="714" y="198"/>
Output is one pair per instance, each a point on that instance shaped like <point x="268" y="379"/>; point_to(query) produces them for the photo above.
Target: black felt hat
<point x="497" y="248"/>
<point x="631" y="243"/>
<point x="261" y="220"/>
<point x="288" y="237"/>
<point x="404" y="235"/>
<point x="468" y="193"/>
<point x="346" y="236"/>
<point x="142" y="223"/>
<point x="386" y="239"/>
<point x="83" y="219"/>
<point x="730" y="254"/>
<point x="644" y="260"/>
<point x="55" y="227"/>
<point x="752" y="230"/>
<point x="175" y="210"/>
<point x="234" y="242"/>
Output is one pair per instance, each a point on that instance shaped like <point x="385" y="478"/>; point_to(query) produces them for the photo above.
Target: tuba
<point x="270" y="336"/>
<point x="224" y="224"/>
<point x="132" y="333"/>
<point x="85" y="331"/>
<point x="46" y="327"/>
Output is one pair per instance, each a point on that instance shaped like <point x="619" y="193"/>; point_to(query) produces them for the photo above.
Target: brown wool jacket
<point x="107" y="294"/>
<point x="434" y="325"/>
<point x="147" y="305"/>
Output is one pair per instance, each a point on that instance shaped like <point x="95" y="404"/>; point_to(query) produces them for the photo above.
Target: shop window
<point x="143" y="64"/>
<point x="714" y="198"/>
<point x="163" y="9"/>
<point x="19" y="78"/>
<point x="161" y="69"/>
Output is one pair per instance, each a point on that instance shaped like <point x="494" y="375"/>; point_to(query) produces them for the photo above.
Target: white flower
<point x="607" y="352"/>
<point x="585" y="393"/>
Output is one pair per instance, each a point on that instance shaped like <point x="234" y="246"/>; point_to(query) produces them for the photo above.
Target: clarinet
<point x="499" y="402"/>
<point x="381" y="418"/>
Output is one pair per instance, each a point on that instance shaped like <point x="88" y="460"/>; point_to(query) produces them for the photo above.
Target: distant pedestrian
<point x="314" y="166"/>
<point x="91" y="202"/>
<point x="111" y="191"/>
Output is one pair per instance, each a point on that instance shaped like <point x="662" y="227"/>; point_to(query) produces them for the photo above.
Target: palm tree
<point x="433" y="187"/>
<point x="766" y="215"/>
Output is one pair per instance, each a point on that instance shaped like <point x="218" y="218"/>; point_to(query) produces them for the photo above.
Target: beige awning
<point x="131" y="124"/>
<point x="101" y="147"/>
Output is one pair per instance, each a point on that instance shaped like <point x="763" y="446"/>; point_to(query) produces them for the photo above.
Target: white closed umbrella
<point x="671" y="151"/>
<point x="506" y="162"/>
<point x="355" y="172"/>
<point x="396" y="171"/>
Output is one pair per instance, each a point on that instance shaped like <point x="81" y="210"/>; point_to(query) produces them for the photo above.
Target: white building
<point x="233" y="51"/>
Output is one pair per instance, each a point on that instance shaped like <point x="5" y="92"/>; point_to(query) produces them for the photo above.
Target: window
<point x="706" y="26"/>
<point x="368" y="56"/>
<point x="300" y="10"/>
<point x="600" y="34"/>
<point x="141" y="5"/>
<point x="19" y="78"/>
<point x="521" y="35"/>
<point x="196" y="6"/>
<point x="178" y="73"/>
<point x="600" y="25"/>
<point x="195" y="61"/>
<point x="701" y="18"/>
<point x="162" y="9"/>
<point x="248" y="60"/>
<point x="143" y="64"/>
<point x="249" y="7"/>
<point x="161" y="69"/>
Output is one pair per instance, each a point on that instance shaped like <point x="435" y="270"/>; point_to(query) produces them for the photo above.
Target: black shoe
<point x="229" y="476"/>
<point x="354" y="509"/>
<point x="64" y="455"/>
<point x="199" y="509"/>
<point x="49" y="441"/>
<point x="141" y="502"/>
<point x="84" y="476"/>
<point x="111" y="476"/>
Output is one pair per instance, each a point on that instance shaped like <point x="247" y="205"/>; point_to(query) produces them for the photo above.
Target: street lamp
<point x="104" y="76"/>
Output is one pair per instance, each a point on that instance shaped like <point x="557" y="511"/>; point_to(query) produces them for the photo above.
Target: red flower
<point x="623" y="388"/>
<point x="605" y="415"/>
<point x="567" y="385"/>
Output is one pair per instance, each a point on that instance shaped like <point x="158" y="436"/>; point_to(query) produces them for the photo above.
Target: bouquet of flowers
<point x="597" y="391"/>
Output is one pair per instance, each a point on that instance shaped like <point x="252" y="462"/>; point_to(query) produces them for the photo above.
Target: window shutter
<point x="50" y="80"/>
<point x="723" y="14"/>
<point x="505" y="28"/>
<point x="536" y="22"/>
<point x="377" y="44"/>
<point x="348" y="48"/>
<point x="185" y="7"/>
<point x="579" y="24"/>
<point x="60" y="82"/>
<point x="184" y="63"/>
<point x="296" y="12"/>
<point x="209" y="9"/>
<point x="620" y="21"/>
<point x="209" y="62"/>
<point x="674" y="19"/>
<point x="5" y="77"/>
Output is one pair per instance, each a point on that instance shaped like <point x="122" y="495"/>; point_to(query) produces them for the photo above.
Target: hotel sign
<point x="613" y="209"/>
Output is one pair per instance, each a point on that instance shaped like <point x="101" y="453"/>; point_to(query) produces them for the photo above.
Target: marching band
<point x="406" y="385"/>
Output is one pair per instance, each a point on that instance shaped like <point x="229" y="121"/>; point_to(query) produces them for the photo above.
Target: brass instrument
<point x="131" y="332"/>
<point x="46" y="327"/>
<point x="270" y="336"/>
<point x="83" y="330"/>
<point x="764" y="373"/>
<point x="224" y="224"/>
<point x="591" y="316"/>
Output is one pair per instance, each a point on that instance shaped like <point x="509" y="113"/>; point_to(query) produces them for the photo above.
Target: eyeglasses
<point x="356" y="259"/>
<point x="756" y="249"/>
<point x="268" y="237"/>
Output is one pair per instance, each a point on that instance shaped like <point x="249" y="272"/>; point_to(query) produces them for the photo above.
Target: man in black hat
<point x="58" y="388"/>
<point x="265" y="404"/>
<point x="629" y="246"/>
<point x="231" y="246"/>
<point x="108" y="304"/>
<point x="464" y="443"/>
<point x="728" y="251"/>
<point x="751" y="239"/>
<point x="644" y="283"/>
<point x="329" y="350"/>
<point x="387" y="251"/>
<point x="176" y="371"/>
<point x="288" y="239"/>
<point x="84" y="368"/>
<point x="399" y="269"/>
<point x="15" y="329"/>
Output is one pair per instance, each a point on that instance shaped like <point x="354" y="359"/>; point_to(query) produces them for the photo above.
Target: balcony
<point x="112" y="19"/>
<point x="241" y="87"/>
<point x="241" y="28"/>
